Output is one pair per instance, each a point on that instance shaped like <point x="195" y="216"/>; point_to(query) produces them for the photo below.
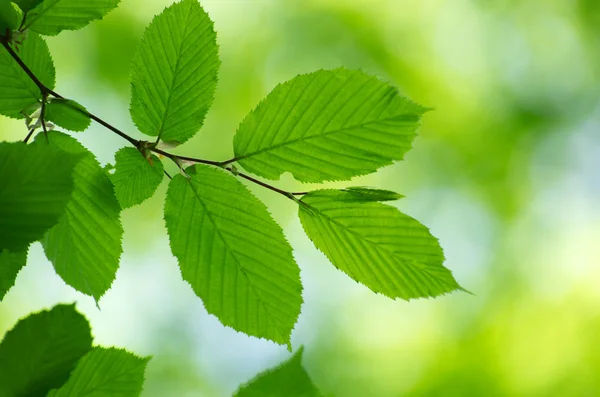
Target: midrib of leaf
<point x="377" y="247"/>
<point x="234" y="255"/>
<point x="175" y="71"/>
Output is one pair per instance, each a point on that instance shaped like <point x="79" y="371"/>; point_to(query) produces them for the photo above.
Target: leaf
<point x="10" y="265"/>
<point x="376" y="245"/>
<point x="105" y="372"/>
<point x="40" y="352"/>
<point x="135" y="179"/>
<point x="53" y="16"/>
<point x="37" y="183"/>
<point x="327" y="125"/>
<point x="85" y="245"/>
<point x="174" y="73"/>
<point x="17" y="91"/>
<point x="358" y="194"/>
<point x="233" y="254"/>
<point x="27" y="5"/>
<point x="288" y="379"/>
<point x="8" y="17"/>
<point x="67" y="114"/>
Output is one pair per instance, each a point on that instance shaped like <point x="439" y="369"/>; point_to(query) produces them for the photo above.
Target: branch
<point x="45" y="91"/>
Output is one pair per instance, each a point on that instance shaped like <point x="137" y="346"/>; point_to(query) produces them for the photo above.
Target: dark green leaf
<point x="53" y="16"/>
<point x="85" y="245"/>
<point x="67" y="114"/>
<point x="233" y="254"/>
<point x="135" y="179"/>
<point x="27" y="5"/>
<point x="376" y="245"/>
<point x="17" y="91"/>
<point x="105" y="372"/>
<point x="40" y="352"/>
<point x="37" y="183"/>
<point x="8" y="17"/>
<point x="367" y="194"/>
<point x="288" y="379"/>
<point x="174" y="73"/>
<point x="10" y="265"/>
<point x="328" y="125"/>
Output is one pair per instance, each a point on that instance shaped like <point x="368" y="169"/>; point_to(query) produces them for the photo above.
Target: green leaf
<point x="40" y="352"/>
<point x="174" y="73"/>
<point x="358" y="193"/>
<point x="85" y="245"/>
<point x="105" y="372"/>
<point x="27" y="5"/>
<point x="37" y="183"/>
<point x="17" y="91"/>
<point x="10" y="265"/>
<point x="53" y="16"/>
<point x="325" y="126"/>
<point x="233" y="254"/>
<point x="288" y="379"/>
<point x="376" y="245"/>
<point x="8" y="17"/>
<point x="135" y="178"/>
<point x="67" y="114"/>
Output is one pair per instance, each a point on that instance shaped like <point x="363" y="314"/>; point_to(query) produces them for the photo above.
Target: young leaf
<point x="17" y="91"/>
<point x="40" y="352"/>
<point x="174" y="73"/>
<point x="27" y="5"/>
<point x="135" y="179"/>
<point x="288" y="379"/>
<point x="51" y="17"/>
<point x="376" y="245"/>
<point x="8" y="17"/>
<point x="357" y="193"/>
<point x="105" y="372"/>
<point x="64" y="113"/>
<point x="36" y="186"/>
<point x="328" y="125"/>
<point x="10" y="265"/>
<point x="233" y="254"/>
<point x="85" y="245"/>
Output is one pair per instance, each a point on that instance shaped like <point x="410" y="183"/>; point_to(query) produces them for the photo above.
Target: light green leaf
<point x="376" y="245"/>
<point x="135" y="179"/>
<point x="8" y="17"/>
<point x="40" y="352"/>
<point x="358" y="193"/>
<point x="37" y="183"/>
<point x="288" y="379"/>
<point x="233" y="254"/>
<point x="85" y="245"/>
<point x="174" y="73"/>
<point x="10" y="265"/>
<point x="67" y="114"/>
<point x="53" y="16"/>
<point x="17" y="91"/>
<point x="27" y="5"/>
<point x="105" y="372"/>
<point x="325" y="126"/>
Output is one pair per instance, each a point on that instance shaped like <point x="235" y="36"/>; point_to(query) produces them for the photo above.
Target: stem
<point x="45" y="91"/>
<point x="29" y="134"/>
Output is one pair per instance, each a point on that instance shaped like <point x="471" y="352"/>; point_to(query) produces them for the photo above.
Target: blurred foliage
<point x="505" y="172"/>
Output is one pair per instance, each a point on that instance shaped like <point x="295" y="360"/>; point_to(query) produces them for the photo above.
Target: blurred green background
<point x="506" y="172"/>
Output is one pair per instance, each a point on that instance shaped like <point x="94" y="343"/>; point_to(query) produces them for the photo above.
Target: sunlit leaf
<point x="174" y="73"/>
<point x="40" y="352"/>
<point x="327" y="125"/>
<point x="17" y="91"/>
<point x="10" y="265"/>
<point x="233" y="254"/>
<point x="105" y="372"/>
<point x="53" y="16"/>
<point x="27" y="5"/>
<point x="368" y="194"/>
<point x="135" y="179"/>
<point x="288" y="379"/>
<point x="36" y="185"/>
<point x="85" y="245"/>
<point x="376" y="245"/>
<point x="67" y="114"/>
